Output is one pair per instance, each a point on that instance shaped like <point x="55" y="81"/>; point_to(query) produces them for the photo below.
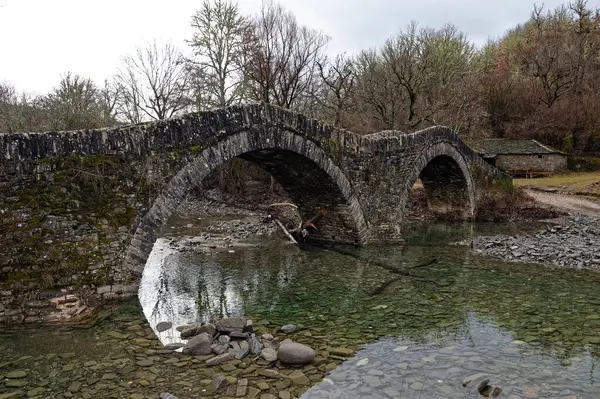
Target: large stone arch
<point x="308" y="174"/>
<point x="447" y="180"/>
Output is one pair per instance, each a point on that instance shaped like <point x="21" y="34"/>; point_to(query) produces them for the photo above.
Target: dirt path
<point x="567" y="203"/>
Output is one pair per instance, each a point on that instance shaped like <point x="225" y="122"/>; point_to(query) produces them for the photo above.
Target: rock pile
<point x="573" y="244"/>
<point x="234" y="338"/>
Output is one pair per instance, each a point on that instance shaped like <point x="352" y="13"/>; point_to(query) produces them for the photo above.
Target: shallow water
<point x="533" y="330"/>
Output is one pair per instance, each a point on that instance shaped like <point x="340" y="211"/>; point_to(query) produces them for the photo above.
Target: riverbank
<point x="571" y="243"/>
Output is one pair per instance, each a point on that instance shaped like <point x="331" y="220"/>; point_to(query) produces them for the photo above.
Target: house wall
<point x="543" y="163"/>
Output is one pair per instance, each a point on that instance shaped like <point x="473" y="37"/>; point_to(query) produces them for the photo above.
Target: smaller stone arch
<point x="447" y="181"/>
<point x="296" y="162"/>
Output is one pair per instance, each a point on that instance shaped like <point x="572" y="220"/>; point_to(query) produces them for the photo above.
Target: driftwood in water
<point x="383" y="286"/>
<point x="304" y="231"/>
<point x="391" y="269"/>
<point x="286" y="232"/>
<point x="402" y="272"/>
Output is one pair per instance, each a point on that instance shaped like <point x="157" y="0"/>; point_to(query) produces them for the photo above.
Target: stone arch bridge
<point x="144" y="171"/>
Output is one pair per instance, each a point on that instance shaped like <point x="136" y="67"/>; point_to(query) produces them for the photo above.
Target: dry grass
<point x="577" y="183"/>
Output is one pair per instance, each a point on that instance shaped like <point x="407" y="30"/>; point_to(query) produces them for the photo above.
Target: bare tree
<point x="547" y="52"/>
<point x="153" y="84"/>
<point x="8" y="100"/>
<point x="405" y="56"/>
<point x="218" y="42"/>
<point x="282" y="57"/>
<point x="381" y="99"/>
<point x="338" y="78"/>
<point x="108" y="97"/>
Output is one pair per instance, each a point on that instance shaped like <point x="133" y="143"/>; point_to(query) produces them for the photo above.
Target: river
<point x="533" y="330"/>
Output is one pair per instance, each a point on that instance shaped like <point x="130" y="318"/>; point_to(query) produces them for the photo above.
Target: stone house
<point x="520" y="156"/>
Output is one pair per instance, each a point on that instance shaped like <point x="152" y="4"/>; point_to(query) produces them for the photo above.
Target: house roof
<point x="508" y="146"/>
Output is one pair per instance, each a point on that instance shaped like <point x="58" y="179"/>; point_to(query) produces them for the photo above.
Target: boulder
<point x="295" y="353"/>
<point x="231" y="324"/>
<point x="201" y="344"/>
<point x="195" y="329"/>
<point x="163" y="326"/>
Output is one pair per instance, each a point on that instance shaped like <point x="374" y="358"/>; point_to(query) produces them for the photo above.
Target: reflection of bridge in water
<point x="321" y="288"/>
<point x="466" y="315"/>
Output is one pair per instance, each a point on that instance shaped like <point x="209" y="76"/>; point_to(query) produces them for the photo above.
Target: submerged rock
<point x="163" y="326"/>
<point x="288" y="328"/>
<point x="295" y="353"/>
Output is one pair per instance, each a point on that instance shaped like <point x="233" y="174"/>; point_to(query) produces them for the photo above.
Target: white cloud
<point x="41" y="39"/>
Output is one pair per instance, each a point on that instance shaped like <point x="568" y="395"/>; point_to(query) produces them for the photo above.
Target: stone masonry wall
<point x="542" y="162"/>
<point x="80" y="211"/>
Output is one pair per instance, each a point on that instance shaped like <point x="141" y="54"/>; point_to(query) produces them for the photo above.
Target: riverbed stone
<point x="474" y="377"/>
<point x="239" y="335"/>
<point x="224" y="358"/>
<point x="145" y="363"/>
<point x="231" y="324"/>
<point x="285" y="395"/>
<point x="242" y="387"/>
<point x="199" y="345"/>
<point x="16" y="374"/>
<point x="269" y="354"/>
<point x="35" y="392"/>
<point x="219" y="349"/>
<point x="16" y="383"/>
<point x="298" y="378"/>
<point x="174" y="346"/>
<point x="288" y="328"/>
<point x="74" y="387"/>
<point x="295" y="353"/>
<point x="224" y="339"/>
<point x="255" y="346"/>
<point x="269" y="373"/>
<point x="341" y="351"/>
<point x="249" y="328"/>
<point x="190" y="330"/>
<point x="243" y="351"/>
<point x="218" y="382"/>
<point x="12" y="395"/>
<point x="163" y="326"/>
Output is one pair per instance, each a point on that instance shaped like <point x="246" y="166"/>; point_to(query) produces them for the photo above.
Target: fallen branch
<point x="431" y="262"/>
<point x="286" y="232"/>
<point x="391" y="269"/>
<point x="382" y="287"/>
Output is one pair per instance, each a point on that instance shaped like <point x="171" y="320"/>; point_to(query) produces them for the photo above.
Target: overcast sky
<point x="42" y="39"/>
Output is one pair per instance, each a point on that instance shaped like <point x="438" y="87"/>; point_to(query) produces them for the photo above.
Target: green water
<point x="535" y="331"/>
